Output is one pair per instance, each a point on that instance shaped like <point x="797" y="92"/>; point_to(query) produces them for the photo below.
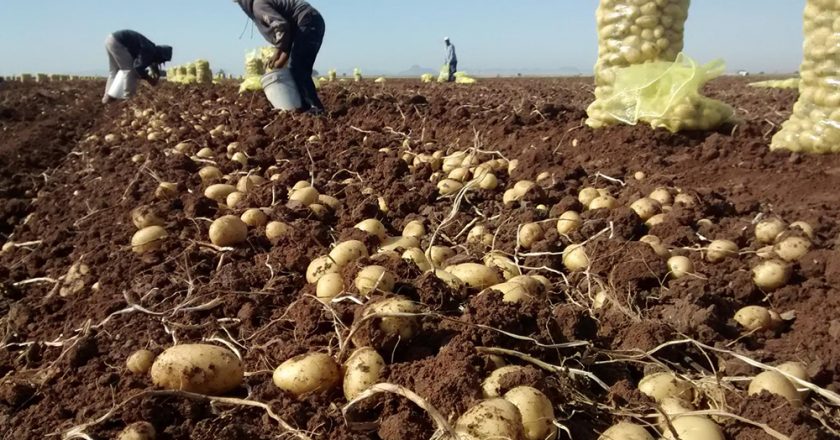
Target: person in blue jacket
<point x="451" y="59"/>
<point x="297" y="30"/>
<point x="131" y="51"/>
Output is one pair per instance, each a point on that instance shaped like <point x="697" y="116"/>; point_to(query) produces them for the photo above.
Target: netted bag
<point x="443" y="76"/>
<point x="332" y="75"/>
<point x="254" y="70"/>
<point x="357" y="74"/>
<point x="814" y="126"/>
<point x="202" y="72"/>
<point x="427" y="78"/>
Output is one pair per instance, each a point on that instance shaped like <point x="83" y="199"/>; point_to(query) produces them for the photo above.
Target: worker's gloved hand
<point x="280" y="60"/>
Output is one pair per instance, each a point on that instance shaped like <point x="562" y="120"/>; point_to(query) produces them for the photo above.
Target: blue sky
<point x="389" y="36"/>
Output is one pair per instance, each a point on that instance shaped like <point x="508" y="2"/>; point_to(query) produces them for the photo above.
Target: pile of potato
<point x="814" y="126"/>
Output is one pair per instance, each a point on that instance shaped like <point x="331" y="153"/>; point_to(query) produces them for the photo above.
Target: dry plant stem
<point x="441" y="422"/>
<point x="543" y="365"/>
<point x="79" y="430"/>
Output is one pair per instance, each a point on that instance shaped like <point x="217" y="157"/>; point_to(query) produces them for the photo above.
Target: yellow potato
<point x="197" y="368"/>
<point x="228" y="230"/>
<point x="148" y="239"/>
<point x="491" y="419"/>
<point x="307" y="373"/>
<point x="477" y="276"/>
<point x="362" y="369"/>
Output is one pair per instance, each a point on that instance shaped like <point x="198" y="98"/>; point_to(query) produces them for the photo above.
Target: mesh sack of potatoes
<point x="254" y="70"/>
<point x="639" y="64"/>
<point x="814" y="126"/>
<point x="203" y="73"/>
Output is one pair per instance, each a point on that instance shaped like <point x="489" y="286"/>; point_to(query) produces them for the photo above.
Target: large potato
<point x="775" y="383"/>
<point x="307" y="373"/>
<point x="536" y="411"/>
<point x="694" y="428"/>
<point x="348" y="252"/>
<point x="362" y="370"/>
<point x="148" y="239"/>
<point x="228" y="230"/>
<point x="491" y="419"/>
<point x="477" y="276"/>
<point x="219" y="192"/>
<point x="492" y="387"/>
<point x="373" y="278"/>
<point x="197" y="368"/>
<point x="626" y="431"/>
<point x="660" y="386"/>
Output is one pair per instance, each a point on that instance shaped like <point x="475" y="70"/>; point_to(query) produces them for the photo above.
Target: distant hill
<point x="416" y="70"/>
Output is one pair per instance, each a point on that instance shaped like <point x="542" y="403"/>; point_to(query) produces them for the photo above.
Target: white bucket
<point x="281" y="90"/>
<point x="123" y="85"/>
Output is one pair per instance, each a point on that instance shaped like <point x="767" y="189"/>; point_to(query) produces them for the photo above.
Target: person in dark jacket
<point x="131" y="51"/>
<point x="451" y="59"/>
<point x="296" y="29"/>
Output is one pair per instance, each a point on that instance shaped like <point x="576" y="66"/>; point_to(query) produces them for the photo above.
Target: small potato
<point x="329" y="286"/>
<point x="491" y="419"/>
<point x="536" y="410"/>
<point x="147" y="239"/>
<point x="659" y="386"/>
<point x="205" y="153"/>
<point x="461" y="174"/>
<point x="575" y="258"/>
<point x="806" y="228"/>
<point x="545" y="175"/>
<point x="685" y="200"/>
<point x="587" y="195"/>
<point x="305" y="196"/>
<point x="210" y="174"/>
<point x="228" y="231"/>
<point x="138" y="431"/>
<point x="140" y="362"/>
<point x="234" y="199"/>
<point x="510" y="196"/>
<point x="145" y="216"/>
<point x="414" y="229"/>
<point x="775" y="383"/>
<point x="403" y="326"/>
<point x="452" y="281"/>
<point x="569" y="222"/>
<point x="657" y="219"/>
<point x="522" y="188"/>
<point x="754" y="318"/>
<point x="491" y="387"/>
<point x="320" y="267"/>
<point x="720" y="250"/>
<point x="511" y="292"/>
<point x="499" y="261"/>
<point x="694" y="428"/>
<point x="275" y="230"/>
<point x="197" y="368"/>
<point x="530" y="234"/>
<point x="478" y="234"/>
<point x="792" y="248"/>
<point x="663" y="196"/>
<point x="329" y="201"/>
<point x="680" y="266"/>
<point x="374" y="278"/>
<point x="766" y="231"/>
<point x="307" y="373"/>
<point x="626" y="431"/>
<point x="416" y="256"/>
<point x="797" y="370"/>
<point x="362" y="369"/>
<point x="319" y="210"/>
<point x="439" y="254"/>
<point x="240" y="158"/>
<point x="254" y="218"/>
<point x="771" y="274"/>
<point x="488" y="181"/>
<point x="477" y="276"/>
<point x="646" y="208"/>
<point x="639" y="175"/>
<point x="372" y="227"/>
<point x="166" y="191"/>
<point x="448" y="187"/>
<point x="247" y="183"/>
<point x="300" y="185"/>
<point x="394" y="243"/>
<point x="603" y="202"/>
<point x="219" y="192"/>
<point x="348" y="252"/>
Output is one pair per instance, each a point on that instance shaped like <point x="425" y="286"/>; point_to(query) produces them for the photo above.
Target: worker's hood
<point x="164" y="54"/>
<point x="247" y="6"/>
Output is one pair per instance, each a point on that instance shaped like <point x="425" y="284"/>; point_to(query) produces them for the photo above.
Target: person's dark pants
<point x="308" y="39"/>
<point x="453" y="69"/>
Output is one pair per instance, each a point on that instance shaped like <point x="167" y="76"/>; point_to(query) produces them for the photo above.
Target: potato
<point x="403" y="326"/>
<point x="140" y="362"/>
<point x="546" y="284"/>
<point x="219" y="192"/>
<point x="329" y="201"/>
<point x="491" y="387"/>
<point x="452" y="281"/>
<point x="416" y="256"/>
<point x="626" y="431"/>
<point x="792" y="248"/>
<point x="301" y="184"/>
<point x="374" y="278"/>
<point x="348" y="252"/>
<point x="448" y="187"/>
<point x="491" y="419"/>
<point x="685" y="200"/>
<point x="166" y="191"/>
<point x="488" y="181"/>
<point x="775" y="383"/>
<point x="247" y="183"/>
<point x="569" y="222"/>
<point x="575" y="258"/>
<point x="461" y="174"/>
<point x="145" y="216"/>
<point x="197" y="368"/>
<point x="673" y="407"/>
<point x="530" y="234"/>
<point x="587" y="195"/>
<point x="536" y="411"/>
<point x="771" y="274"/>
<point x="510" y="196"/>
<point x="275" y="230"/>
<point x="147" y="239"/>
<point x="372" y="227"/>
<point x="662" y="196"/>
<point x="659" y="386"/>
<point x="228" y="230"/>
<point x="511" y="166"/>
<point x="394" y="243"/>
<point x="307" y="373"/>
<point x="804" y="227"/>
<point x="530" y="283"/>
<point x="797" y="370"/>
<point x="522" y="188"/>
<point x="439" y="254"/>
<point x="137" y="158"/>
<point x="138" y="431"/>
<point x="205" y="153"/>
<point x="210" y="174"/>
<point x="477" y="276"/>
<point x="720" y="250"/>
<point x="305" y="196"/>
<point x="603" y="202"/>
<point x="754" y="318"/>
<point x="362" y="369"/>
<point x="319" y="210"/>
<point x="254" y="217"/>
<point x="240" y="158"/>
<point x="511" y="292"/>
<point x="766" y="231"/>
<point x="232" y="148"/>
<point x="329" y="286"/>
<point x="414" y="229"/>
<point x="646" y="208"/>
<point x="479" y="235"/>
<point x="657" y="219"/>
<point x="320" y="267"/>
<point x="498" y="260"/>
<point x="694" y="428"/>
<point x="234" y="199"/>
<point x="680" y="266"/>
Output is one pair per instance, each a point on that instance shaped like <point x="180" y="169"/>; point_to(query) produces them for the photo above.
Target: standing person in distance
<point x="131" y="51"/>
<point x="296" y="29"/>
<point x="451" y="59"/>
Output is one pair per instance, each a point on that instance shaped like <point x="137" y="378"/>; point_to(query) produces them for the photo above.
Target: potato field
<point x="427" y="261"/>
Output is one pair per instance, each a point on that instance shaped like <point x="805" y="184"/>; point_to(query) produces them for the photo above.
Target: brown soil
<point x="64" y="344"/>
